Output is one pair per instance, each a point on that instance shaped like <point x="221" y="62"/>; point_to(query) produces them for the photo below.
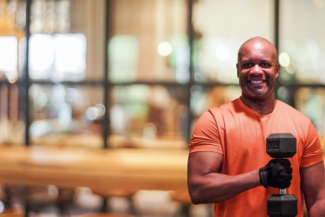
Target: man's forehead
<point x="257" y="47"/>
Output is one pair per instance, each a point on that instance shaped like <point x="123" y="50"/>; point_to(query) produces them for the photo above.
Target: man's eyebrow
<point x="260" y="60"/>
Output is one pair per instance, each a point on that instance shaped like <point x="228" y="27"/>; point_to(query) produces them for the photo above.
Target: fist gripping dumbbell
<point x="277" y="173"/>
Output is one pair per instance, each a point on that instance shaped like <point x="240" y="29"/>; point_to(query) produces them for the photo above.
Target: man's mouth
<point x="256" y="81"/>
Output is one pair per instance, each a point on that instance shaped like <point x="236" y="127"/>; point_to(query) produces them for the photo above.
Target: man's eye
<point x="248" y="65"/>
<point x="265" y="65"/>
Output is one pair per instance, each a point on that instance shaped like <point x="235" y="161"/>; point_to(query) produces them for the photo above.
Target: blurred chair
<point x="184" y="199"/>
<point x="37" y="198"/>
<point x="8" y="208"/>
<point x="108" y="193"/>
<point x="105" y="215"/>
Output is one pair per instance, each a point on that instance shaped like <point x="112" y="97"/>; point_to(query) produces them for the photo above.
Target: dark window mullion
<point x="276" y="39"/>
<point x="106" y="121"/>
<point x="27" y="79"/>
<point x="191" y="71"/>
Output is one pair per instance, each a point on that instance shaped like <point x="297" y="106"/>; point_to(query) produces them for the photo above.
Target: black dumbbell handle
<point x="282" y="191"/>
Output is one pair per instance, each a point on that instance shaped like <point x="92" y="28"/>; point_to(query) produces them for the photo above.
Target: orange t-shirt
<point x="239" y="134"/>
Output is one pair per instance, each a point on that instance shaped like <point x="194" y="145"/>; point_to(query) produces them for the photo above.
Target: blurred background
<point x="109" y="74"/>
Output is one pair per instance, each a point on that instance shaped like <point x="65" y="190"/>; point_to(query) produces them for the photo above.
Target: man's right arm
<point x="207" y="185"/>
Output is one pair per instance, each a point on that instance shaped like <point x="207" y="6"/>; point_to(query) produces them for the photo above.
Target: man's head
<point x="257" y="68"/>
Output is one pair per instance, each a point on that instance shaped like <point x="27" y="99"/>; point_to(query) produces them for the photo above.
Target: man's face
<point x="257" y="69"/>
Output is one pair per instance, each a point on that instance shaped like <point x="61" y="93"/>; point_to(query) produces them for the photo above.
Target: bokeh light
<point x="91" y="113"/>
<point x="291" y="68"/>
<point x="222" y="53"/>
<point x="164" y="49"/>
<point x="284" y="59"/>
<point x="2" y="207"/>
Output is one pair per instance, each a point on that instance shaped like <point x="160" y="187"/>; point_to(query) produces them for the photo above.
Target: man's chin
<point x="256" y="95"/>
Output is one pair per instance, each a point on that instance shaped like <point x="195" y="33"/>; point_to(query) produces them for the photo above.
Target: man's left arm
<point x="312" y="183"/>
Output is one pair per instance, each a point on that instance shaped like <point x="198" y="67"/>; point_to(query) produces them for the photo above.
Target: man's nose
<point x="256" y="70"/>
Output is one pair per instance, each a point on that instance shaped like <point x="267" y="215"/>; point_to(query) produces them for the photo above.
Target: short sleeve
<point x="312" y="150"/>
<point x="205" y="136"/>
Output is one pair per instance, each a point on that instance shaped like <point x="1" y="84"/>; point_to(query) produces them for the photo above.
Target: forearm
<point x="317" y="209"/>
<point x="217" y="187"/>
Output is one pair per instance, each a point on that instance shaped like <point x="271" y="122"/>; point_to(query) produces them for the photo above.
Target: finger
<point x="289" y="170"/>
<point x="284" y="162"/>
<point x="286" y="177"/>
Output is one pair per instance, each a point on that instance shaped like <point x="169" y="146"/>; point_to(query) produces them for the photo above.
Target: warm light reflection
<point x="13" y="80"/>
<point x="12" y="76"/>
<point x="291" y="68"/>
<point x="164" y="49"/>
<point x="222" y="53"/>
<point x="284" y="59"/>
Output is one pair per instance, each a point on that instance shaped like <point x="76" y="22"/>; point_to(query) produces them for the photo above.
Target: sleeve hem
<point x="211" y="148"/>
<point x="312" y="161"/>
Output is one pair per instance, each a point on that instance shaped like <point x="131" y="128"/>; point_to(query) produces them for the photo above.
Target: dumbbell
<point x="281" y="145"/>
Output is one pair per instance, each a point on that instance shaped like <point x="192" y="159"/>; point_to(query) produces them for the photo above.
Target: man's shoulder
<point x="288" y="108"/>
<point x="289" y="111"/>
<point x="225" y="108"/>
<point x="223" y="112"/>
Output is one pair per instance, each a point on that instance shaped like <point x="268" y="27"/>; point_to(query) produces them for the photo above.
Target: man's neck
<point x="263" y="107"/>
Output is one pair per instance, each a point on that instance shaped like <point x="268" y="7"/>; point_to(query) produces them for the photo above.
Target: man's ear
<point x="277" y="69"/>
<point x="237" y="70"/>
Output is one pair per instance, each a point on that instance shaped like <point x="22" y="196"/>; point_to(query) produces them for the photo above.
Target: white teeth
<point x="256" y="82"/>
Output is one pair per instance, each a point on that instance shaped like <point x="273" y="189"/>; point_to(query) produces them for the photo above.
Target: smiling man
<point x="228" y="146"/>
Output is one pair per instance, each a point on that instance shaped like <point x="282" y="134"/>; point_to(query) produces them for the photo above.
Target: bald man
<point x="227" y="150"/>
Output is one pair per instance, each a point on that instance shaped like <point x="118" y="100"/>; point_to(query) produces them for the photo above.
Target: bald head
<point x="257" y="43"/>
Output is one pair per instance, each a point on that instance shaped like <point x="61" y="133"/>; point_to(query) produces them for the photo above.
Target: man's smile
<point x="256" y="81"/>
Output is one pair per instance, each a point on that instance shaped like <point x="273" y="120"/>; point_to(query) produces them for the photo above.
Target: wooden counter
<point x="71" y="167"/>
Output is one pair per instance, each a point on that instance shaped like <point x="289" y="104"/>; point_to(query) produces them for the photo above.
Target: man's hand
<point x="277" y="173"/>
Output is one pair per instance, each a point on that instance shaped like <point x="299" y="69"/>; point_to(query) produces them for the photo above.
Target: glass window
<point x="149" y="41"/>
<point x="220" y="27"/>
<point x="311" y="102"/>
<point x="65" y="45"/>
<point x="302" y="44"/>
<point x="11" y="115"/>
<point x="203" y="98"/>
<point x="12" y="24"/>
<point x="144" y="116"/>
<point x="66" y="115"/>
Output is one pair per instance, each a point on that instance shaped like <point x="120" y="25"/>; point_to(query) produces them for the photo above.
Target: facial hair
<point x="250" y="91"/>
